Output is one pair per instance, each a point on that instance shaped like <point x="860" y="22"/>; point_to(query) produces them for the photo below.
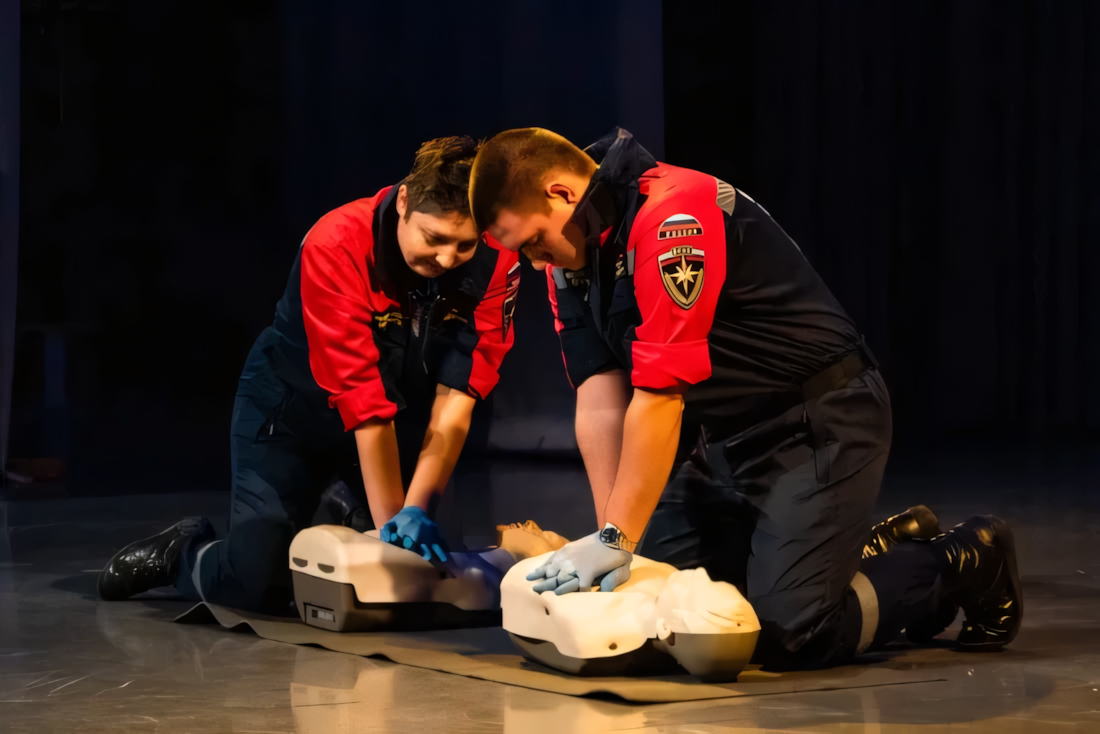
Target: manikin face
<point x="545" y="238"/>
<point x="432" y="244"/>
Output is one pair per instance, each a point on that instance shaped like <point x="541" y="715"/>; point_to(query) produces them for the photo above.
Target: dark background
<point x="938" y="163"/>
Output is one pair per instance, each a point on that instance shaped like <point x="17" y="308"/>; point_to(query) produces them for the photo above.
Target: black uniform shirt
<point x="691" y="282"/>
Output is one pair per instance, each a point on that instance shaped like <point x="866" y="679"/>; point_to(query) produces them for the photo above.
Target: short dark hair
<point x="440" y="176"/>
<point x="512" y="166"/>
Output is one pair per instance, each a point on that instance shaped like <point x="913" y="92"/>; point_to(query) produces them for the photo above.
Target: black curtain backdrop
<point x="175" y="154"/>
<point x="938" y="163"/>
<point x="9" y="211"/>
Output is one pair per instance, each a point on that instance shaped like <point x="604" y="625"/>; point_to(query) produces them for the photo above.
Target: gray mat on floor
<point x="488" y="654"/>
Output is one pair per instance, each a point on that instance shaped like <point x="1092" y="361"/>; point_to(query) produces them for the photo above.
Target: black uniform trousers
<point x="783" y="510"/>
<point x="288" y="446"/>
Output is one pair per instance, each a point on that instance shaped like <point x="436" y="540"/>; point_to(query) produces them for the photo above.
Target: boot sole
<point x="1008" y="543"/>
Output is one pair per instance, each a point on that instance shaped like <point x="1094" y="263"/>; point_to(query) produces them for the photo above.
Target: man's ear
<point x="402" y="202"/>
<point x="563" y="191"/>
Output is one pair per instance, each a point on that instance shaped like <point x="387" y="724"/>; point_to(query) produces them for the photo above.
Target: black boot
<point x="916" y="523"/>
<point x="152" y="562"/>
<point x="341" y="504"/>
<point x="979" y="570"/>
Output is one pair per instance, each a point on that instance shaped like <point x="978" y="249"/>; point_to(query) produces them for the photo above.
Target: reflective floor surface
<point x="71" y="663"/>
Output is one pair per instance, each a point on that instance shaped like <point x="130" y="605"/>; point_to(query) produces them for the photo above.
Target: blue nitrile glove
<point x="576" y="566"/>
<point x="414" y="530"/>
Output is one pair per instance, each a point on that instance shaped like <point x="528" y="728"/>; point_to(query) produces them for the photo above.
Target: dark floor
<point x="70" y="663"/>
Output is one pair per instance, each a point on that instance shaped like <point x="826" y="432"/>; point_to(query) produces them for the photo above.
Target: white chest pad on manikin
<point x="656" y="601"/>
<point x="383" y="573"/>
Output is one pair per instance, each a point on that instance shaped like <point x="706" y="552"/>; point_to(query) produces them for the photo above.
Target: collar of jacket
<point x="622" y="161"/>
<point x="388" y="259"/>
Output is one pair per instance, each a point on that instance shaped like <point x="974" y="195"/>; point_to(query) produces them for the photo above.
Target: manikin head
<point x="434" y="228"/>
<point x="523" y="190"/>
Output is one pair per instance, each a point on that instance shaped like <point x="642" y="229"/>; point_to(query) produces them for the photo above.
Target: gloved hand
<point x="577" y="565"/>
<point x="414" y="530"/>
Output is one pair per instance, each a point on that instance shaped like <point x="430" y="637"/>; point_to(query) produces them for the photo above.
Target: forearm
<point x="443" y="442"/>
<point x="376" y="442"/>
<point x="602" y="402"/>
<point x="651" y="435"/>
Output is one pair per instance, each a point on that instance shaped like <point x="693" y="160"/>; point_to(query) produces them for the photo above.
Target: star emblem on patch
<point x="682" y="270"/>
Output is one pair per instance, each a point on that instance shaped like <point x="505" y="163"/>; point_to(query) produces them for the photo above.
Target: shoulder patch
<point x="682" y="269"/>
<point x="727" y="196"/>
<point x="679" y="225"/>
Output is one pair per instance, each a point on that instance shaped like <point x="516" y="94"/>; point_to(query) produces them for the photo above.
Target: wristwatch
<point x="613" y="537"/>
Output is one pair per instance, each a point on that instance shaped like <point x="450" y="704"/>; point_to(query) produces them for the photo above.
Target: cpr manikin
<point x="660" y="621"/>
<point x="659" y="618"/>
<point x="348" y="581"/>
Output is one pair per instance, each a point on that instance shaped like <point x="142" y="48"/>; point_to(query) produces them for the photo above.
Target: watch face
<point x="610" y="536"/>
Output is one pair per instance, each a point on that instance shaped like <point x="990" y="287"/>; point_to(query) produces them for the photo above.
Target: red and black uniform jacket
<point x="690" y="282"/>
<point x="360" y="325"/>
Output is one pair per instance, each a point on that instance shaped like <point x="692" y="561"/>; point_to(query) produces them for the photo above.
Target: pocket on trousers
<point x="758" y="457"/>
<point x="274" y="426"/>
<point x="823" y="442"/>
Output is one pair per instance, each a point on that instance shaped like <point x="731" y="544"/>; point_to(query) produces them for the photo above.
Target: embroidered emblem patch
<point x="679" y="225"/>
<point x="453" y="315"/>
<point x="511" y="288"/>
<point x="682" y="274"/>
<point x="382" y="320"/>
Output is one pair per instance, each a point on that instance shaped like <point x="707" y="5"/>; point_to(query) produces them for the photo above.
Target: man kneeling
<point x="697" y="336"/>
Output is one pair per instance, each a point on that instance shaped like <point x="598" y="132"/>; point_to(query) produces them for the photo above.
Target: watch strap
<point x="613" y="537"/>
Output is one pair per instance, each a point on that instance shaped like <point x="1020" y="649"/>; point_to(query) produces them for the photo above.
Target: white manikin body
<point x="657" y="601"/>
<point x="384" y="574"/>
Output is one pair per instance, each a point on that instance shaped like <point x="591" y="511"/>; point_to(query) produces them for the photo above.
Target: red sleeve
<point x="552" y="292"/>
<point x="493" y="322"/>
<point x="680" y="268"/>
<point x="337" y="316"/>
